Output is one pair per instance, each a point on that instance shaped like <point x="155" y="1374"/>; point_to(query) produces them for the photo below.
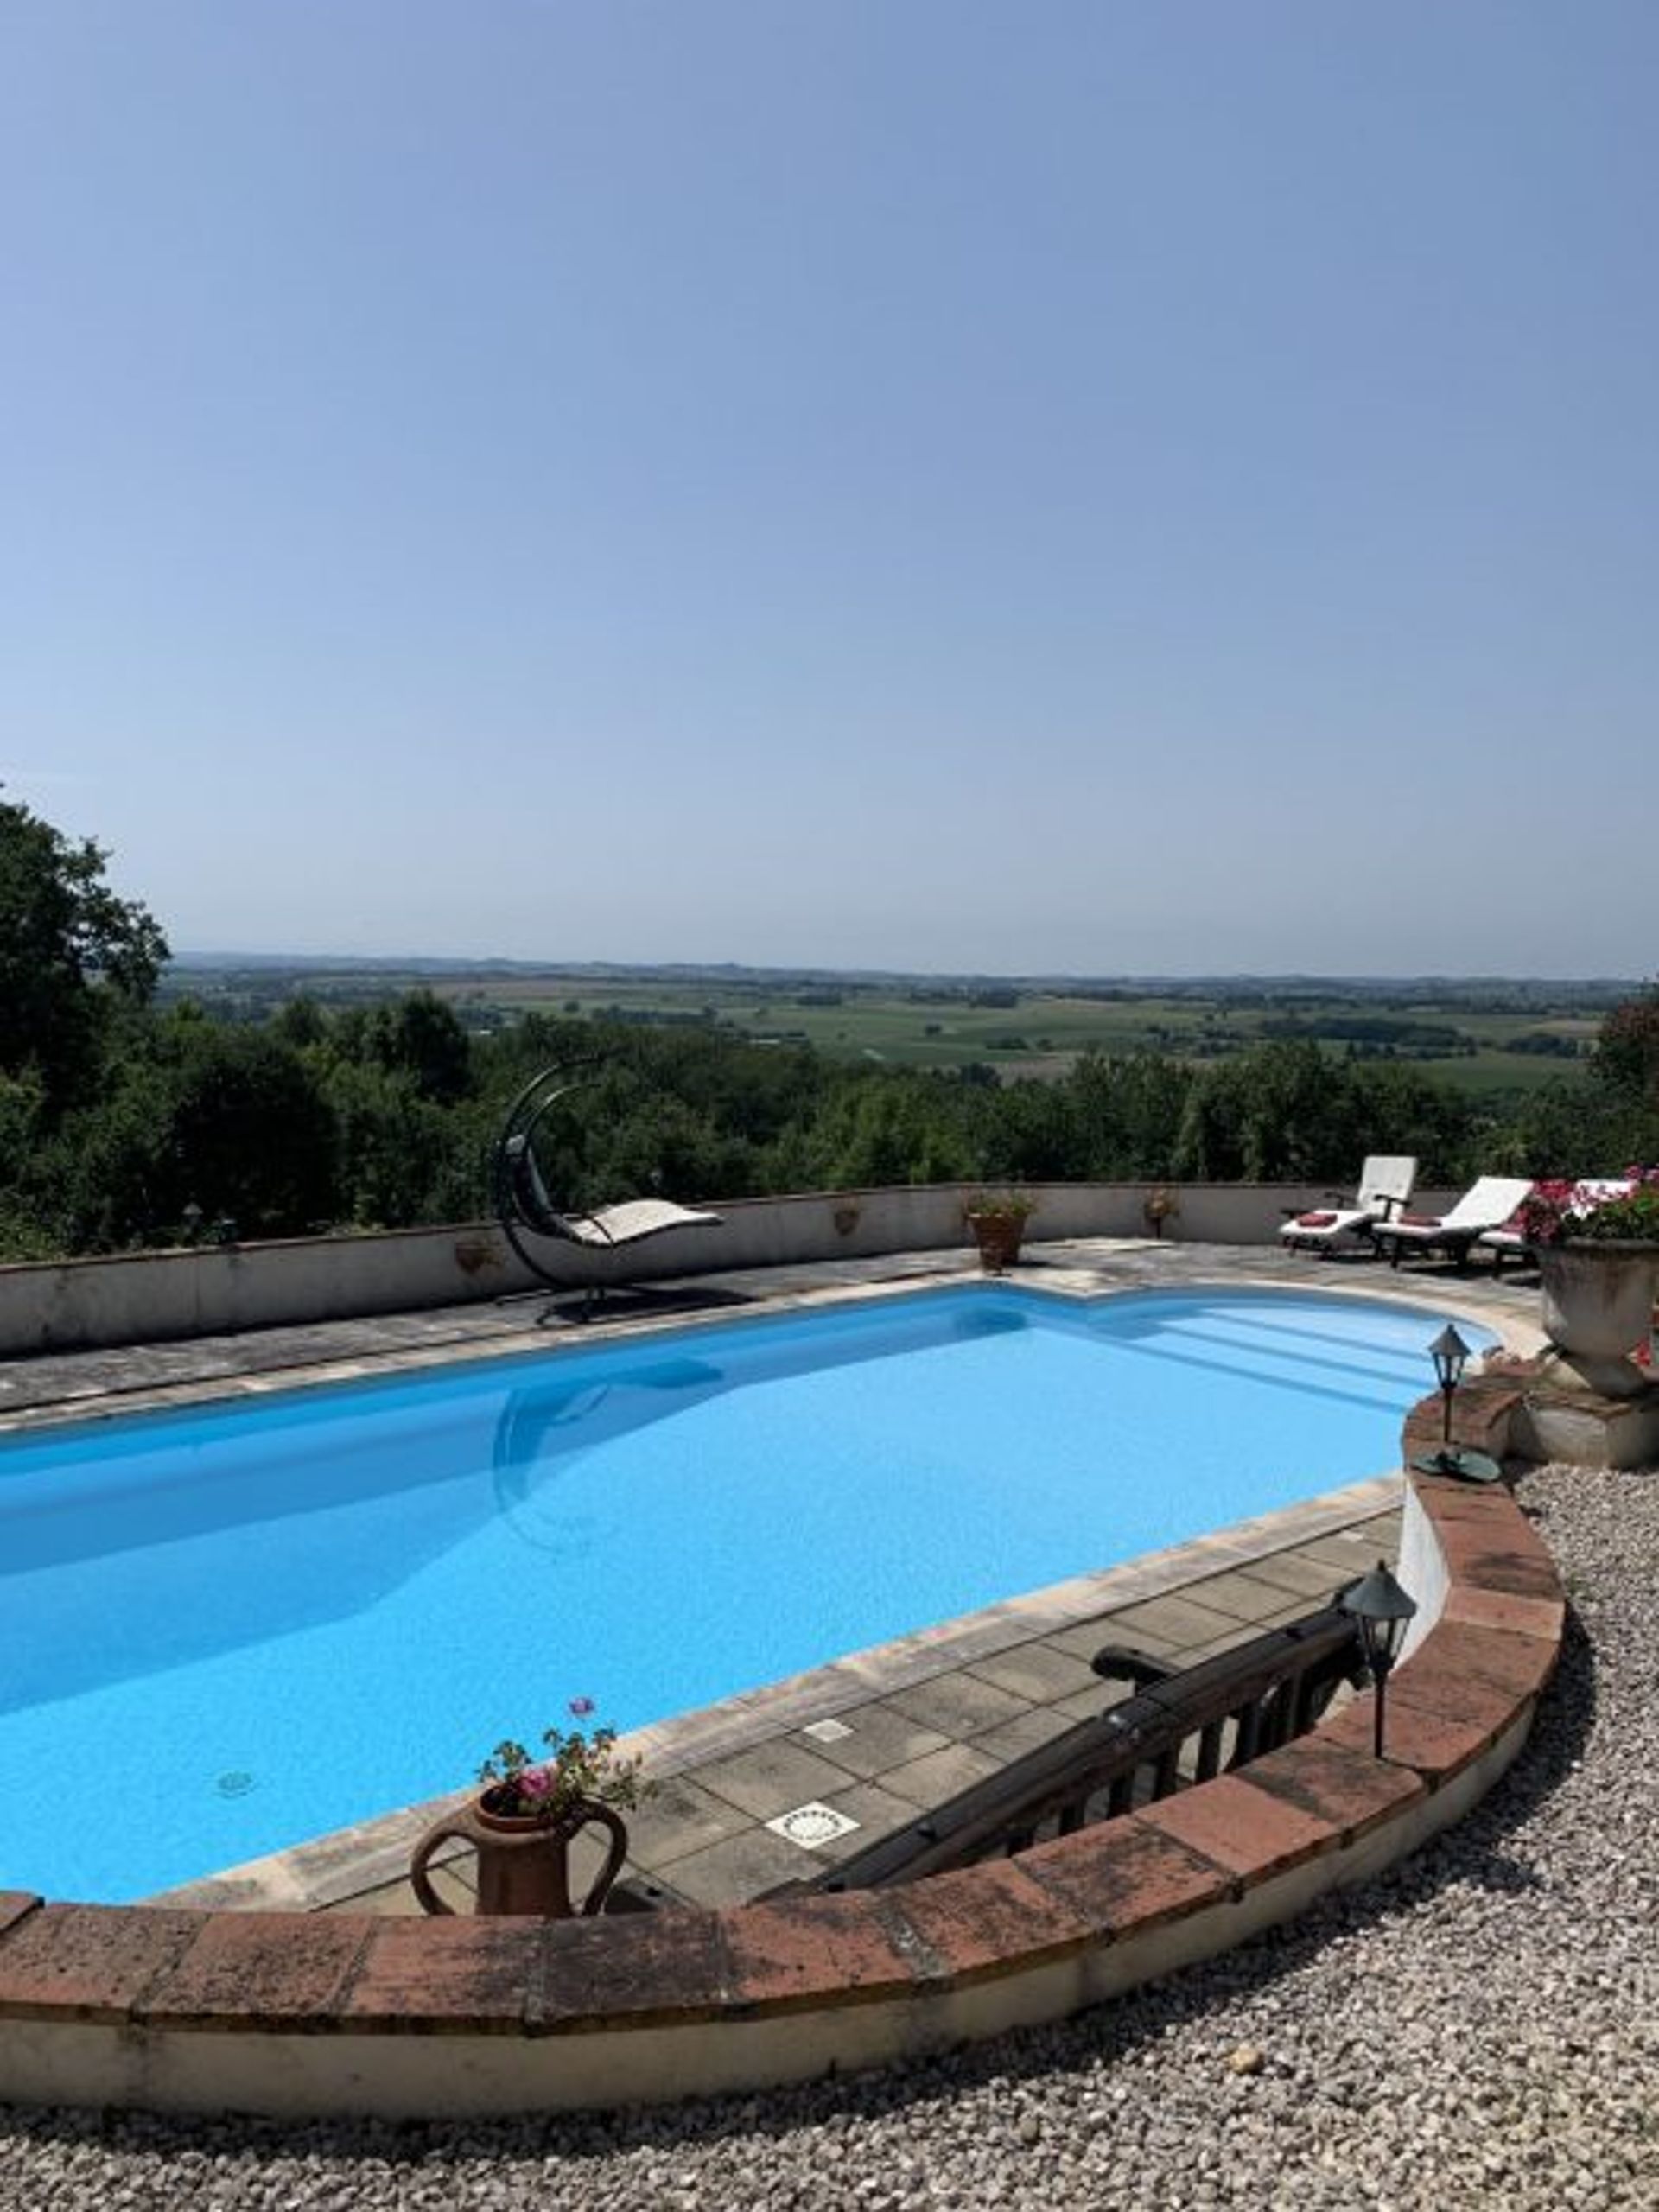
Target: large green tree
<point x="195" y="1120"/>
<point x="73" y="955"/>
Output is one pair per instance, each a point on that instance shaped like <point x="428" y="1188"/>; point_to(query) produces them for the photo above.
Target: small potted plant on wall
<point x="527" y="1816"/>
<point x="1160" y="1205"/>
<point x="998" y="1220"/>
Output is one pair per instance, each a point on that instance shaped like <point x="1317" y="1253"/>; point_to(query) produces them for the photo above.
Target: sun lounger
<point x="629" y="1223"/>
<point x="1487" y="1204"/>
<point x="1385" y="1184"/>
<point x="523" y="1203"/>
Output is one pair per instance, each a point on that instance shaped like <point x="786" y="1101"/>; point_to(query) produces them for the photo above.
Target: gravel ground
<point x="1481" y="2027"/>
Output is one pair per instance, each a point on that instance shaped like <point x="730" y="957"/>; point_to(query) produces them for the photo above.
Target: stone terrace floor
<point x="876" y="1736"/>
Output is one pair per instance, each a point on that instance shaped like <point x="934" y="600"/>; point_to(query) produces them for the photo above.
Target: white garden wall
<point x="145" y="1296"/>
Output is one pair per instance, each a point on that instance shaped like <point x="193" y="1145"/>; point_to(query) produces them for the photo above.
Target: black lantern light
<point x="1383" y="1609"/>
<point x="1451" y="1356"/>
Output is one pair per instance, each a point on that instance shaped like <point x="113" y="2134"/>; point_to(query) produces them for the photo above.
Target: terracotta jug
<point x="524" y="1861"/>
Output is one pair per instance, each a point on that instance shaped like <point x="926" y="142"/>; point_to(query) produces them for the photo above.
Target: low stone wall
<point x="147" y="1297"/>
<point x="291" y="2014"/>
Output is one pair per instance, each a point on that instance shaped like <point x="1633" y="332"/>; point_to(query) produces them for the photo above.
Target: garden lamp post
<point x="1381" y="1608"/>
<point x="1451" y="1356"/>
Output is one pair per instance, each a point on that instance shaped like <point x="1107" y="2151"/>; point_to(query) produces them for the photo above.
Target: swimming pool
<point x="229" y="1628"/>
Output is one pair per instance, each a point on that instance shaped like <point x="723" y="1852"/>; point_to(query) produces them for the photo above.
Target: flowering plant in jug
<point x="575" y="1768"/>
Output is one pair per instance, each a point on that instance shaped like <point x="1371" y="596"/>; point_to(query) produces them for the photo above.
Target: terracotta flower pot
<point x="523" y="1859"/>
<point x="998" y="1237"/>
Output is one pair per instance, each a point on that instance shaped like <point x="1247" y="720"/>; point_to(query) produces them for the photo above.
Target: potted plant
<point x="1598" y="1249"/>
<point x="1160" y="1205"/>
<point x="998" y="1220"/>
<point x="529" y="1813"/>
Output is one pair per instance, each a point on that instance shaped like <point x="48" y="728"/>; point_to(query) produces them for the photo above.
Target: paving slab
<point x="940" y="1775"/>
<point x="1037" y="1671"/>
<point x="1162" y="1627"/>
<point x="771" y="1777"/>
<point x="958" y="1705"/>
<point x="879" y="1739"/>
<point x="741" y="1867"/>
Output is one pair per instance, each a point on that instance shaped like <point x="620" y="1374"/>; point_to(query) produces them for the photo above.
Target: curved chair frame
<point x="522" y="1202"/>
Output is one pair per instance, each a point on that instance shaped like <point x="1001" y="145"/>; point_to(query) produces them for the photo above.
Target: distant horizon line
<point x="494" y="963"/>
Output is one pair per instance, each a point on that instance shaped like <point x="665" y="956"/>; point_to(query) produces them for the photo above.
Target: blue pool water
<point x="224" y="1631"/>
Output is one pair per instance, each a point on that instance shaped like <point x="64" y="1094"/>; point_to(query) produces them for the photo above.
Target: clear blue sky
<point x="918" y="483"/>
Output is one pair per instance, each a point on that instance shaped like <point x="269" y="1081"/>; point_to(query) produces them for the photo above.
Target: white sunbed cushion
<point x="1322" y="1225"/>
<point x="1485" y="1206"/>
<point x="1596" y="1191"/>
<point x="1385" y="1180"/>
<point x="634" y="1219"/>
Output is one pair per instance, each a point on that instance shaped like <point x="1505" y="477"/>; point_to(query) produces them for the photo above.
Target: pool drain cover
<point x="813" y="1825"/>
<point x="235" y="1783"/>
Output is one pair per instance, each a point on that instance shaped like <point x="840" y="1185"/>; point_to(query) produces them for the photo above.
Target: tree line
<point x="126" y="1124"/>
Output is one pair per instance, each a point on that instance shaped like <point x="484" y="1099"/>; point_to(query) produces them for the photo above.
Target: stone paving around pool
<point x="875" y="1737"/>
<point x="927" y="1724"/>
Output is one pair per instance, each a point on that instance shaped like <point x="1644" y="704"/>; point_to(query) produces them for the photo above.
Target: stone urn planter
<point x="523" y="1859"/>
<point x="1598" y="1308"/>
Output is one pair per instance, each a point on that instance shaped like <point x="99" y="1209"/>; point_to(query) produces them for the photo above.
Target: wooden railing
<point x="1173" y="1729"/>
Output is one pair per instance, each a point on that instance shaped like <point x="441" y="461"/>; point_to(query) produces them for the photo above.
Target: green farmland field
<point x="1041" y="1031"/>
<point x="1466" y="1035"/>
